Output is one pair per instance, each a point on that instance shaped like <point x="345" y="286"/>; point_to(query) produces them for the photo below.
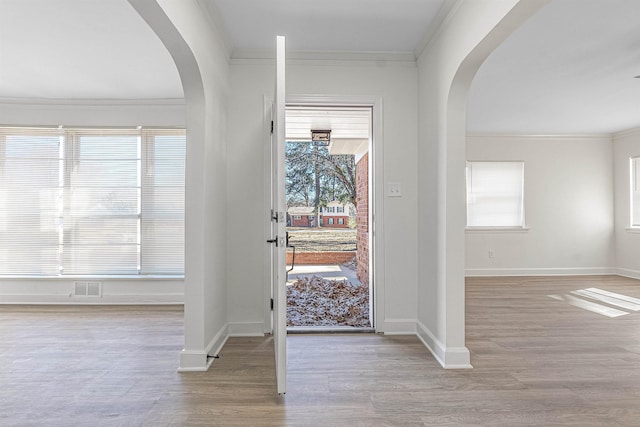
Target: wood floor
<point x="538" y="361"/>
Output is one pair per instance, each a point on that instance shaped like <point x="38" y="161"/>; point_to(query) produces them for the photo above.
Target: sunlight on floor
<point x="599" y="301"/>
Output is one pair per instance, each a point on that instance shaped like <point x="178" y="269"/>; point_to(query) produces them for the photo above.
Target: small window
<point x="495" y="194"/>
<point x="635" y="191"/>
<point x="340" y="209"/>
<point x="297" y="217"/>
<point x="341" y="221"/>
<point x="330" y="209"/>
<point x="330" y="221"/>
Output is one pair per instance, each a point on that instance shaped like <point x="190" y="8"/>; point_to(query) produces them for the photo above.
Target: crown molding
<point x="248" y="56"/>
<point x="626" y="133"/>
<point x="435" y="28"/>
<point x="160" y="102"/>
<point x="213" y="16"/>
<point x="561" y="137"/>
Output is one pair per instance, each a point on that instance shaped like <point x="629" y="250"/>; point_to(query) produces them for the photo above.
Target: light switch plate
<point x="394" y="189"/>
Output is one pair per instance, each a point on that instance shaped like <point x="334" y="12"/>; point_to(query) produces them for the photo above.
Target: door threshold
<point x="328" y="330"/>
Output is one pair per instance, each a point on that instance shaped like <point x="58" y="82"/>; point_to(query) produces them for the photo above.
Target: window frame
<point x="634" y="193"/>
<point x="69" y="158"/>
<point x="522" y="227"/>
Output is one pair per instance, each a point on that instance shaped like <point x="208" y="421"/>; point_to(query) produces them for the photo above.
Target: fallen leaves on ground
<point x="314" y="301"/>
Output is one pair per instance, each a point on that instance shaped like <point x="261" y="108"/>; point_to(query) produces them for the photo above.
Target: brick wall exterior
<point x="325" y="222"/>
<point x="362" y="219"/>
<point x="320" y="258"/>
<point x="304" y="221"/>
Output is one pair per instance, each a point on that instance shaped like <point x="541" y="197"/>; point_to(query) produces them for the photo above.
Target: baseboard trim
<point x="398" y="327"/>
<point x="125" y="299"/>
<point x="449" y="358"/>
<point x="246" y="329"/>
<point x="488" y="272"/>
<point x="200" y="360"/>
<point x="625" y="272"/>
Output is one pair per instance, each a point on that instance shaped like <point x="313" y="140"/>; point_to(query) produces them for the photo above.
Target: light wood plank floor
<point x="538" y="361"/>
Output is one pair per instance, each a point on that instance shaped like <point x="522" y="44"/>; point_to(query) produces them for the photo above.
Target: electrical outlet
<point x="491" y="253"/>
<point x="394" y="189"/>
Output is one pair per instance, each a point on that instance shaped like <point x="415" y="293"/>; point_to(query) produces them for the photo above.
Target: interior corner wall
<point x="445" y="70"/>
<point x="201" y="56"/>
<point x="395" y="84"/>
<point x="568" y="193"/>
<point x="627" y="242"/>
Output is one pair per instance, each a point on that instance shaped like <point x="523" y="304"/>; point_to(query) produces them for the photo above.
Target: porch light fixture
<point x="321" y="137"/>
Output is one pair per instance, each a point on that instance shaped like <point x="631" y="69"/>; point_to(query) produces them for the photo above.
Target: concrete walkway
<point x="328" y="272"/>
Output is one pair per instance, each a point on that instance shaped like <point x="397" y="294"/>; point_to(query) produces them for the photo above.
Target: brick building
<point x="335" y="215"/>
<point x="301" y="216"/>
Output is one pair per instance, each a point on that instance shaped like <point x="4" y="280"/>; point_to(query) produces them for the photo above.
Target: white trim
<point x="632" y="230"/>
<point x="579" y="271"/>
<point x="215" y="21"/>
<point x="444" y="16"/>
<point x="399" y="327"/>
<point x="626" y="272"/>
<point x="246" y="329"/>
<point x="199" y="360"/>
<point x="262" y="56"/>
<point x="266" y="213"/>
<point x="98" y="103"/>
<point x="376" y="186"/>
<point x="449" y="358"/>
<point x="437" y="25"/>
<point x="486" y="229"/>
<point x="626" y="133"/>
<point x="57" y="299"/>
<point x="471" y="137"/>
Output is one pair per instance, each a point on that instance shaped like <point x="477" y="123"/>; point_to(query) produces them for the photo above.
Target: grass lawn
<point x="322" y="239"/>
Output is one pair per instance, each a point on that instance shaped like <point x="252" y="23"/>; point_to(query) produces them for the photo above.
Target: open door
<point x="278" y="222"/>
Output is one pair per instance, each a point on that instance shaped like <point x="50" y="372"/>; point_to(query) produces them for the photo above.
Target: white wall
<point x="198" y="49"/>
<point x="393" y="82"/>
<point x="445" y="70"/>
<point x="70" y="113"/>
<point x="568" y="193"/>
<point x="625" y="145"/>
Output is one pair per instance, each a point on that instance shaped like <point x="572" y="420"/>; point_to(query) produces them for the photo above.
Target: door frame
<point x="376" y="194"/>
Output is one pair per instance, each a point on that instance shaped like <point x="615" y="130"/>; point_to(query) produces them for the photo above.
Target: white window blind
<point x="635" y="191"/>
<point x="92" y="201"/>
<point x="30" y="201"/>
<point x="495" y="194"/>
<point x="163" y="202"/>
<point x="102" y="210"/>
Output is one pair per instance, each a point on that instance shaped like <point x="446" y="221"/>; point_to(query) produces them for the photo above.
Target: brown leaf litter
<point x="314" y="301"/>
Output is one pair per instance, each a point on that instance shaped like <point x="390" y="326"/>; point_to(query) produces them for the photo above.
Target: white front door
<point x="278" y="222"/>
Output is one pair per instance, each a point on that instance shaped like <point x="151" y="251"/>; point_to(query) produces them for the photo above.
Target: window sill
<point x="96" y="277"/>
<point x="632" y="229"/>
<point x="497" y="229"/>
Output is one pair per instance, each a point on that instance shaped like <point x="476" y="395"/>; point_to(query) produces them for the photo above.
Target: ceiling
<point x="81" y="49"/>
<point x="344" y="122"/>
<point x="568" y="69"/>
<point x="329" y="25"/>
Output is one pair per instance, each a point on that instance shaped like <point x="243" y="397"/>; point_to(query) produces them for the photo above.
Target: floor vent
<point x="87" y="289"/>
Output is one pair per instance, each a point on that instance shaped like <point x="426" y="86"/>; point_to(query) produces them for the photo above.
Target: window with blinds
<point x="91" y="201"/>
<point x="495" y="194"/>
<point x="635" y="191"/>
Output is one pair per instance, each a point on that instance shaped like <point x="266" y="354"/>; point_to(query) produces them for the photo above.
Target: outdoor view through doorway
<point x="327" y="196"/>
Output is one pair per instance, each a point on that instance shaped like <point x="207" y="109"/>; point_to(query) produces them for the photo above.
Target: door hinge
<point x="271" y="127"/>
<point x="271" y="304"/>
